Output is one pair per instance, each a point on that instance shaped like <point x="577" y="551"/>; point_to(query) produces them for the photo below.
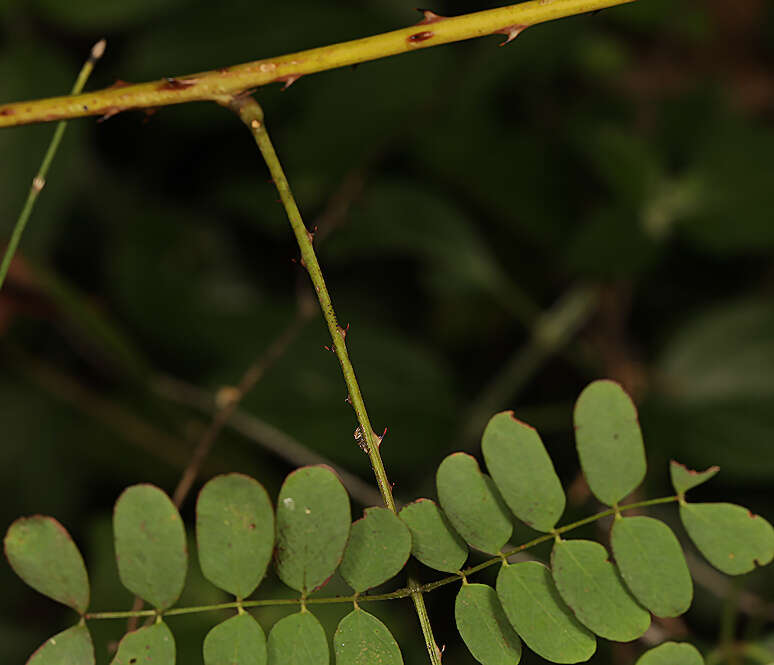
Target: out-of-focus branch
<point x="231" y="398"/>
<point x="551" y="332"/>
<point x="39" y="181"/>
<point x="263" y="434"/>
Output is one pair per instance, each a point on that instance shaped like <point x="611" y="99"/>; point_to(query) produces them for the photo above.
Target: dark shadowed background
<point x="614" y="168"/>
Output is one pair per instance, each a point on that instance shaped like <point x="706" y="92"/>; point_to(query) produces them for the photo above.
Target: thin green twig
<point x="39" y="181"/>
<point x="251" y="115"/>
<point x="404" y="592"/>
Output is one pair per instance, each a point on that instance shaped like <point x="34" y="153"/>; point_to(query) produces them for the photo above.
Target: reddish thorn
<point x="119" y="83"/>
<point x="511" y="32"/>
<point x="289" y="80"/>
<point x="109" y="114"/>
<point x="7" y="112"/>
<point x="420" y="36"/>
<point x="429" y="16"/>
<point x="343" y="331"/>
<point x="177" y="84"/>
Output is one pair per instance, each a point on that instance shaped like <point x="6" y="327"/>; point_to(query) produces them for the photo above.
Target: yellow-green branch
<point x="223" y="83"/>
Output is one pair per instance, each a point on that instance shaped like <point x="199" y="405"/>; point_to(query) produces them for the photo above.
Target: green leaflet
<point x="42" y="553"/>
<point x="313" y="522"/>
<point x="234" y="532"/>
<point x="593" y="588"/>
<point x="434" y="542"/>
<point x="609" y="441"/>
<point x="472" y="504"/>
<point x="671" y="653"/>
<point x="684" y="479"/>
<point x="150" y="545"/>
<point x="361" y="639"/>
<point x="652" y="564"/>
<point x="378" y="548"/>
<point x="70" y="647"/>
<point x="523" y="472"/>
<point x="540" y="617"/>
<point x="237" y="641"/>
<point x="730" y="537"/>
<point x="484" y="627"/>
<point x="298" y="639"/>
<point x="152" y="644"/>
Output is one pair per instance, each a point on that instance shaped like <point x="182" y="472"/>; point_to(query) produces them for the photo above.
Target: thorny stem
<point x="251" y="114"/>
<point x="398" y="593"/>
<point x="39" y="181"/>
<point x="228" y="81"/>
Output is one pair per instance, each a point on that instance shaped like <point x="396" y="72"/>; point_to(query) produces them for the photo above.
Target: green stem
<point x="545" y="538"/>
<point x="251" y="114"/>
<point x="39" y="181"/>
<point x="728" y="624"/>
<point x="405" y="592"/>
<point x="229" y="81"/>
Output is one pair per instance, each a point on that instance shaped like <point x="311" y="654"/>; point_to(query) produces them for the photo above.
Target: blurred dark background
<point x="498" y="226"/>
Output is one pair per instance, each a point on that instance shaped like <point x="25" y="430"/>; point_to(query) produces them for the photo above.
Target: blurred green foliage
<point x="630" y="149"/>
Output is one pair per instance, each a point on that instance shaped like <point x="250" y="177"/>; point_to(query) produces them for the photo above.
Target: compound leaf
<point x="313" y="522"/>
<point x="42" y="553"/>
<point x="433" y="540"/>
<point x="730" y="537"/>
<point x="593" y="588"/>
<point x="150" y="545"/>
<point x="652" y="564"/>
<point x="684" y="479"/>
<point x="670" y="653"/>
<point x="70" y="647"/>
<point x="378" y="548"/>
<point x="152" y="645"/>
<point x="472" y="504"/>
<point x="234" y="532"/>
<point x="523" y="471"/>
<point x="484" y="627"/>
<point x="298" y="639"/>
<point x="609" y="441"/>
<point x="237" y="641"/>
<point x="540" y="617"/>
<point x="361" y="639"/>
